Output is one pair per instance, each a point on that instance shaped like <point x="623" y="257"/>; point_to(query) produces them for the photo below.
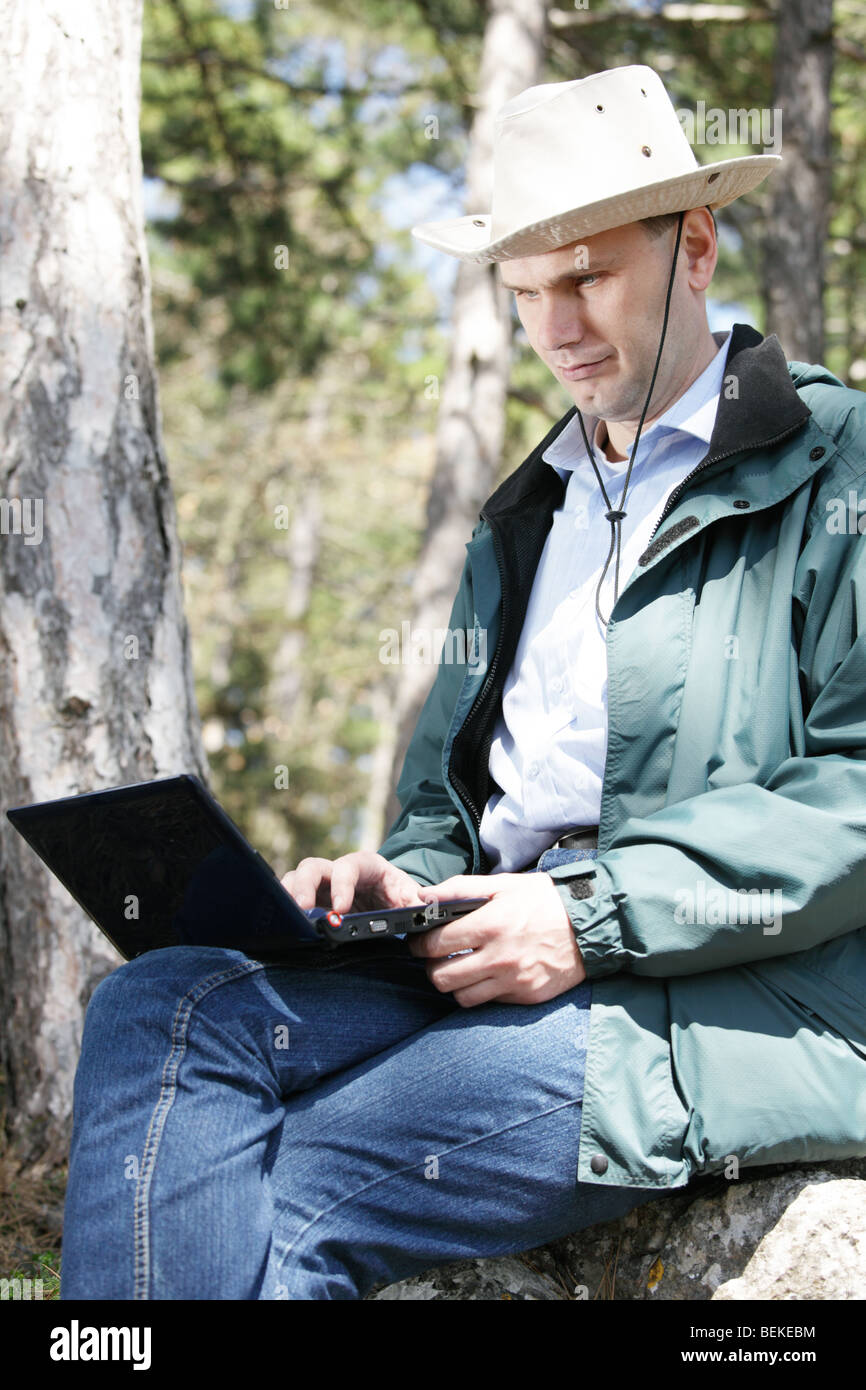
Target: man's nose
<point x="559" y="324"/>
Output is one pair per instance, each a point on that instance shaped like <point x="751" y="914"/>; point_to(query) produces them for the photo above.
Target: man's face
<point x="597" y="306"/>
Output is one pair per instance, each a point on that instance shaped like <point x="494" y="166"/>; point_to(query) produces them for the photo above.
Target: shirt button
<point x="598" y="1163"/>
<point x="533" y="770"/>
<point x="580" y="519"/>
<point x="556" y="684"/>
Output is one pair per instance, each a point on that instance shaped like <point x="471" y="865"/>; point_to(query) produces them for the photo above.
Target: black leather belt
<point x="583" y="837"/>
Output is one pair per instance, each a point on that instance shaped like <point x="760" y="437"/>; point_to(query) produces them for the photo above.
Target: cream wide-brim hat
<point x="571" y="159"/>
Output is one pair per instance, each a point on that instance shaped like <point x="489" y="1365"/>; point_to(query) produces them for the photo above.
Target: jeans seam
<point x="407" y="1168"/>
<point x="168" y="1084"/>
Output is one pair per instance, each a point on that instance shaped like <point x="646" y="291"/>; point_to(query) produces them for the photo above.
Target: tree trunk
<point x="800" y="187"/>
<point x="95" y="673"/>
<point x="472" y="408"/>
<point x="304" y="542"/>
<point x="379" y="781"/>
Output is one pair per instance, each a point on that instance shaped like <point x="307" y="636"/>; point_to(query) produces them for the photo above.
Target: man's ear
<point x="699" y="247"/>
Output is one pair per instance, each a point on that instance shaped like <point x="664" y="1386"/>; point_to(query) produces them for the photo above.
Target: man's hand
<point x="523" y="946"/>
<point x="359" y="881"/>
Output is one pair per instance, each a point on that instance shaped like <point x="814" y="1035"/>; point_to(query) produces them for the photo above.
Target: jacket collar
<point x="763" y="404"/>
<point x="759" y="403"/>
<point x="520" y="511"/>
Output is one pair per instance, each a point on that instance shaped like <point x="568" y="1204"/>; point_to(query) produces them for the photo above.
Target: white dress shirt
<point x="550" y="741"/>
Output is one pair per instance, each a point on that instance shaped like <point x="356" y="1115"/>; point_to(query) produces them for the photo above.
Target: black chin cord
<point x="616" y="515"/>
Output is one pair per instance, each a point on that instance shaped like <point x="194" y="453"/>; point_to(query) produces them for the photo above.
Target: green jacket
<point x="723" y="1027"/>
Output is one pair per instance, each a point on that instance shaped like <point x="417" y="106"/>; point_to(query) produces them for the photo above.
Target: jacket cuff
<point x="585" y="893"/>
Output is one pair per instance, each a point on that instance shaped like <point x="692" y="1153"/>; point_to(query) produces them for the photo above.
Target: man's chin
<point x="590" y="400"/>
<point x="600" y="402"/>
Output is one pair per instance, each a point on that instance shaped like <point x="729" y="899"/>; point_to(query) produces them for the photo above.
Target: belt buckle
<point x="582" y="837"/>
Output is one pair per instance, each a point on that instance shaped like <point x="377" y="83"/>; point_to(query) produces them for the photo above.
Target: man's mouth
<point x="582" y="369"/>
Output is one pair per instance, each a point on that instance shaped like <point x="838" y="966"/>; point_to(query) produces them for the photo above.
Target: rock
<point x="816" y="1250"/>
<point x="505" y="1278"/>
<point x="793" y="1232"/>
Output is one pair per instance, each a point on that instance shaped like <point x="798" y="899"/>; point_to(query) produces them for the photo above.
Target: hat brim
<point x="710" y="185"/>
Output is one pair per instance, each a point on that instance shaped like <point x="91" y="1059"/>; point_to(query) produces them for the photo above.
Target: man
<point x="669" y="735"/>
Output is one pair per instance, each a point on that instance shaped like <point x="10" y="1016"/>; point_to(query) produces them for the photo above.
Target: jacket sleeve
<point x="800" y="837"/>
<point x="429" y="839"/>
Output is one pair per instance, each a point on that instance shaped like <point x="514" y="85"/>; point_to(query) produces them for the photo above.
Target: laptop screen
<point x="160" y="864"/>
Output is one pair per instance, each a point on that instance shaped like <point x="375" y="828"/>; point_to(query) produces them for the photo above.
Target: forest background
<point x="330" y="129"/>
<point x="336" y="401"/>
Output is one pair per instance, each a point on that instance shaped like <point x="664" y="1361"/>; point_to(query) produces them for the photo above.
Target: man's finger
<point x="400" y="889"/>
<point x="481" y="993"/>
<point x="344" y="882"/>
<point x="303" y="882"/>
<point x="466" y="934"/>
<point x="464" y="972"/>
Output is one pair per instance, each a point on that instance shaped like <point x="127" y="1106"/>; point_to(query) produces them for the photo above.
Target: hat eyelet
<point x="645" y="149"/>
<point x="711" y="178"/>
<point x="478" y="221"/>
<point x="643" y="92"/>
<point x="599" y="108"/>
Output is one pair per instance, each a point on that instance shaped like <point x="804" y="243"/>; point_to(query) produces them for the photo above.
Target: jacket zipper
<point x="457" y="782"/>
<point x="717" y="458"/>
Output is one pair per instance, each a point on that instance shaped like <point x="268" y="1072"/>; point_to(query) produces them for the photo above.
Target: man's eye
<point x="591" y="276"/>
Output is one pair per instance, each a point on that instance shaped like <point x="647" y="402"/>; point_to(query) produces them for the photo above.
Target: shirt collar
<point x="694" y="412"/>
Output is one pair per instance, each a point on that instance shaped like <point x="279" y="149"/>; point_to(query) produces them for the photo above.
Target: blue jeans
<point x="257" y="1131"/>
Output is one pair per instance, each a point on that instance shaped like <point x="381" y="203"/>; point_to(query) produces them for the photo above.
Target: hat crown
<point x="613" y="132"/>
<point x="574" y="159"/>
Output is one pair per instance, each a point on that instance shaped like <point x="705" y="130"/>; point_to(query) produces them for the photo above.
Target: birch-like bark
<point x="471" y="418"/>
<point x="95" y="674"/>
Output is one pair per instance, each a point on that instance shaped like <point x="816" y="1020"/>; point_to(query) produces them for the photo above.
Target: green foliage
<point x="289" y="374"/>
<point x="302" y="382"/>
<point x="39" y="1278"/>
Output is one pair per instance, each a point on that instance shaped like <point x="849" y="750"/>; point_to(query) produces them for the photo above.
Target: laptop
<point x="160" y="863"/>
